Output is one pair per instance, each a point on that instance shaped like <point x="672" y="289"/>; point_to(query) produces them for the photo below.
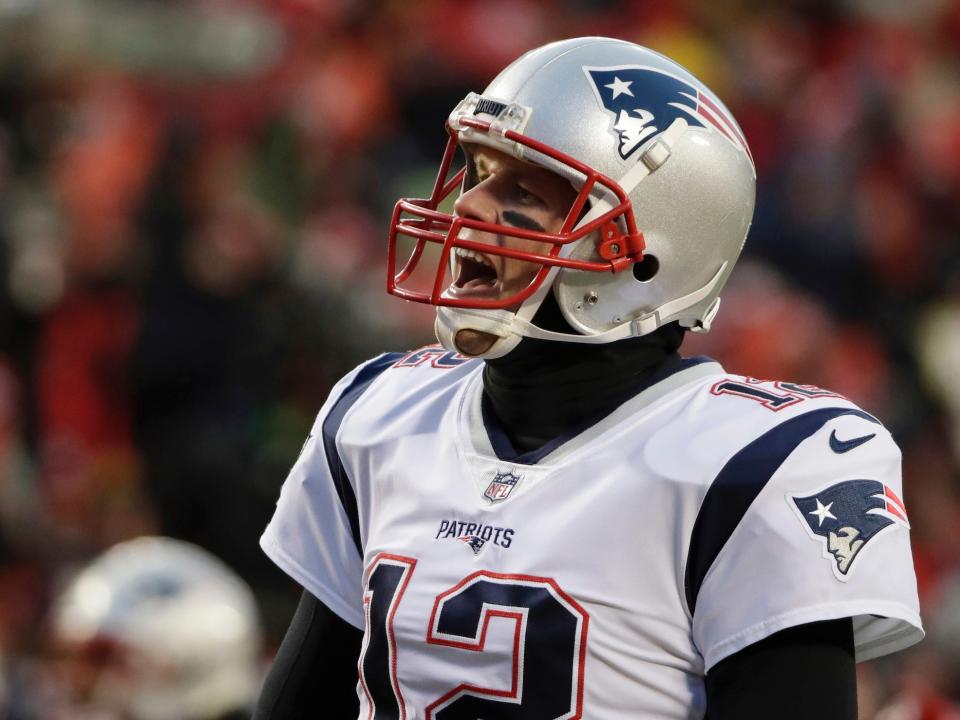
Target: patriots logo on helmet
<point x="474" y="542"/>
<point x="645" y="102"/>
<point x="846" y="516"/>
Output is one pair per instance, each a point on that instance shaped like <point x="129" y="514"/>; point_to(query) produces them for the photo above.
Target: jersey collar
<point x="489" y="438"/>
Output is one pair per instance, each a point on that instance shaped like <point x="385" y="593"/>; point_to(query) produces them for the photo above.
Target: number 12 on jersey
<point x="549" y="644"/>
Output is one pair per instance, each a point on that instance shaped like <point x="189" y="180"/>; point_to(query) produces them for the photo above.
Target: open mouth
<point x="475" y="272"/>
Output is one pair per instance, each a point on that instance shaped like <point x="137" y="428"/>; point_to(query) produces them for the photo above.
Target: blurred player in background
<point x="555" y="515"/>
<point x="154" y="629"/>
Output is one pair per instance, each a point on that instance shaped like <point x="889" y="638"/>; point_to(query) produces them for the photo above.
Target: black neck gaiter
<point x="543" y="389"/>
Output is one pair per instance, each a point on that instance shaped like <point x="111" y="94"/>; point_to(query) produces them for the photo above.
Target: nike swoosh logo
<point x="842" y="446"/>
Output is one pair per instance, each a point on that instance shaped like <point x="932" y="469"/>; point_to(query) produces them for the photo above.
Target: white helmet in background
<point x="666" y="194"/>
<point x="177" y="631"/>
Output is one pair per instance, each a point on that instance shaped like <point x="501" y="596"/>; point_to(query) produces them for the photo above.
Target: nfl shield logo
<point x="501" y="486"/>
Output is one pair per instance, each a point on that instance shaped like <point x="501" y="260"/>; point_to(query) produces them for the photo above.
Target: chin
<point x="474" y="342"/>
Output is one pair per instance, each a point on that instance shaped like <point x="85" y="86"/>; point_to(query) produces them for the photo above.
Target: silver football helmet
<point x="175" y="633"/>
<point x="666" y="189"/>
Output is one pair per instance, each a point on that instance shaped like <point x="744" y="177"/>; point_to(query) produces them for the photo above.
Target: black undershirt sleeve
<point x="803" y="672"/>
<point x="315" y="671"/>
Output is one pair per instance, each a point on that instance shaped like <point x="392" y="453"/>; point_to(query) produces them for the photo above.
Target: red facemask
<point x="620" y="244"/>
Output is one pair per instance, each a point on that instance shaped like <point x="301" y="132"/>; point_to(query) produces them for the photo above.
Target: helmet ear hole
<point x="646" y="269"/>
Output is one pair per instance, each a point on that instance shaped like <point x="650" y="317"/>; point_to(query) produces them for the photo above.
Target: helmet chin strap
<point x="499" y="323"/>
<point x="511" y="327"/>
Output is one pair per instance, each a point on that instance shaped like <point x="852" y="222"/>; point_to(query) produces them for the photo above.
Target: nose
<point x="477" y="203"/>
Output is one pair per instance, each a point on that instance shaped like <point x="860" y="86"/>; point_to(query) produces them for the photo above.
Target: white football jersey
<point x="604" y="574"/>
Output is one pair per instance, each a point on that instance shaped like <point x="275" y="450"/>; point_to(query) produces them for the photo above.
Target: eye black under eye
<point x="519" y="220"/>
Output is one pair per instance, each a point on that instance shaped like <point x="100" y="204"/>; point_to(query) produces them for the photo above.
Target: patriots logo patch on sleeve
<point x="644" y="102"/>
<point x="846" y="516"/>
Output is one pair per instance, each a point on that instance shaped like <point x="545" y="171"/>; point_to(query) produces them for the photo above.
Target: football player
<point x="553" y="514"/>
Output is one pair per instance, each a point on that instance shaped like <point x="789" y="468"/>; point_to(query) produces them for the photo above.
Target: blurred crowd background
<point x="194" y="198"/>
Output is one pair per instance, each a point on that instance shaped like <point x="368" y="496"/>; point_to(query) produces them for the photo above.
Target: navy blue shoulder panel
<point x="739" y="483"/>
<point x="331" y="425"/>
